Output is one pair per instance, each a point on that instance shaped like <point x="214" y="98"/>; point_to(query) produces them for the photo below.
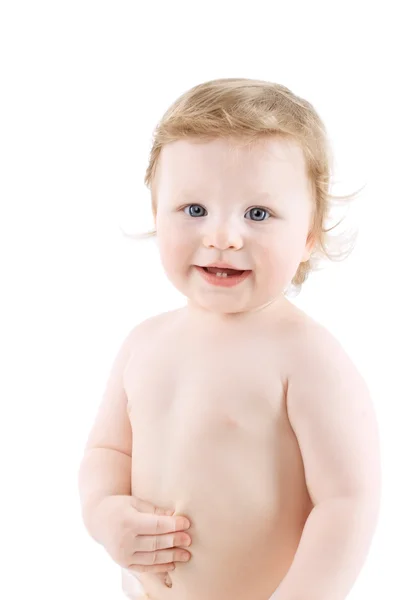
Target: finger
<point x="152" y="543"/>
<point x="146" y="524"/>
<point x="150" y="568"/>
<point x="161" y="557"/>
<point x="147" y="507"/>
<point x="167" y="580"/>
<point x="163" y="511"/>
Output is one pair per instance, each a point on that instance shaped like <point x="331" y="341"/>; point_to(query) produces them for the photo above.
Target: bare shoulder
<point x="306" y="337"/>
<point x="316" y="346"/>
<point x="317" y="358"/>
<point x="150" y="326"/>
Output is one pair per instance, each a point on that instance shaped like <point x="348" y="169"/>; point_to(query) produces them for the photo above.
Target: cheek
<point x="174" y="249"/>
<point x="272" y="264"/>
<point x="270" y="251"/>
<point x="279" y="255"/>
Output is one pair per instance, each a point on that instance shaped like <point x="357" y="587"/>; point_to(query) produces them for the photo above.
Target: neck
<point x="220" y="317"/>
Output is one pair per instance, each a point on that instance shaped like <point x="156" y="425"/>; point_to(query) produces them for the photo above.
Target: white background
<point x="83" y="85"/>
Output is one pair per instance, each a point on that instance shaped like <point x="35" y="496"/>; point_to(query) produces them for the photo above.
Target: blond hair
<point x="247" y="110"/>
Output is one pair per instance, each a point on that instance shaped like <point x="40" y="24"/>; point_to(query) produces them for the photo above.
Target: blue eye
<point x="191" y="212"/>
<point x="258" y="213"/>
<point x="257" y="210"/>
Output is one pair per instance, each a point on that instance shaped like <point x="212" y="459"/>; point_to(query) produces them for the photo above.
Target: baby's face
<point x="249" y="207"/>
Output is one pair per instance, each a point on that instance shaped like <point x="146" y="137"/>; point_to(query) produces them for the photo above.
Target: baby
<point x="235" y="454"/>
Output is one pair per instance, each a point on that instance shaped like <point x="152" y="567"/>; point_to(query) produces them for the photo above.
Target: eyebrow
<point x="261" y="196"/>
<point x="186" y="194"/>
<point x="196" y="196"/>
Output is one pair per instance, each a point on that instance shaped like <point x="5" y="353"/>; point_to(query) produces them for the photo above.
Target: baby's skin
<point x="211" y="438"/>
<point x="238" y="411"/>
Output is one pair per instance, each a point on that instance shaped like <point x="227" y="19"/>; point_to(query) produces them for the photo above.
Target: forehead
<point x="192" y="165"/>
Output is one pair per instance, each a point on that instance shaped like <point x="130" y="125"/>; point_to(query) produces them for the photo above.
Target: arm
<point x="106" y="465"/>
<point x="331" y="413"/>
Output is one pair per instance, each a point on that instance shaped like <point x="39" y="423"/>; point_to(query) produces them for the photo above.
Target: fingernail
<point x="185" y="523"/>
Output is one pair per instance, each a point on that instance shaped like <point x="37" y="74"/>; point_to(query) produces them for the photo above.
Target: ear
<point x="308" y="248"/>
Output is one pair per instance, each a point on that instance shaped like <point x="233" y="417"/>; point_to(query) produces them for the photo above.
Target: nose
<point x="223" y="235"/>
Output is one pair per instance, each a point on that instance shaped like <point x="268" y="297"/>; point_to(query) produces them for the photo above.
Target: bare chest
<point x="202" y="383"/>
<point x="198" y="404"/>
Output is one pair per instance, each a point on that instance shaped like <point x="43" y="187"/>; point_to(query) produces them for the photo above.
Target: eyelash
<point x="253" y="208"/>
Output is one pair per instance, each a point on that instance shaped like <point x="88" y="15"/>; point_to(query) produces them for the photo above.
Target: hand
<point x="140" y="537"/>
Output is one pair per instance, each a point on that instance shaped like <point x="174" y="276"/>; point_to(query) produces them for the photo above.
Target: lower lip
<point x="229" y="281"/>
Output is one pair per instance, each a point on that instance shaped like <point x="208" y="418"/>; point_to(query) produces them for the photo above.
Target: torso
<point x="211" y="439"/>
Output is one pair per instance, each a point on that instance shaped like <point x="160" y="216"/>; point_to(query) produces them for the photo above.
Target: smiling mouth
<point x="228" y="272"/>
<point x="226" y="278"/>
